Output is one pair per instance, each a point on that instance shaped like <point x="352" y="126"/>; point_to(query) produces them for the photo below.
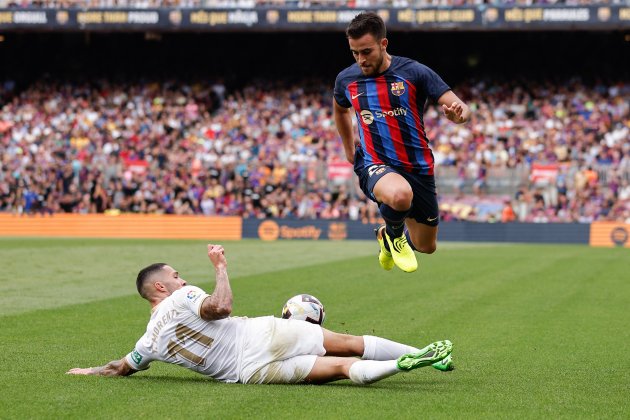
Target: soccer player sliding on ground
<point x="392" y="160"/>
<point x="192" y="329"/>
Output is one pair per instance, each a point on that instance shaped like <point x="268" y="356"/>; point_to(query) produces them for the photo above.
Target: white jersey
<point x="177" y="334"/>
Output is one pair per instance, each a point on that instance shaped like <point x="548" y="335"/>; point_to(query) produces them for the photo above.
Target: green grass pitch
<point x="539" y="331"/>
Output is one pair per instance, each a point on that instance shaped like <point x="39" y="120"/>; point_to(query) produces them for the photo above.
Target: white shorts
<point x="279" y="351"/>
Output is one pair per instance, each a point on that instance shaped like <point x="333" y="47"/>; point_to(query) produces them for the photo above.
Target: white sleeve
<point x="140" y="357"/>
<point x="189" y="298"/>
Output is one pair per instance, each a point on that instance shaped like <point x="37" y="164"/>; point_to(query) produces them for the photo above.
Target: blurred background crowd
<point x="139" y="4"/>
<point x="557" y="152"/>
<point x="240" y="122"/>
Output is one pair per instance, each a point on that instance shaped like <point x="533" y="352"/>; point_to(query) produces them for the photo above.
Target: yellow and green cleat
<point x="402" y="254"/>
<point x="384" y="256"/>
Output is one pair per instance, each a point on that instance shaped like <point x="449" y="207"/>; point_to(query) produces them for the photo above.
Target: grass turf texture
<point x="538" y="330"/>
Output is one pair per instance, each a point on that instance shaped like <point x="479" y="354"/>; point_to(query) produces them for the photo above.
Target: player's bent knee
<point x="401" y="199"/>
<point x="427" y="249"/>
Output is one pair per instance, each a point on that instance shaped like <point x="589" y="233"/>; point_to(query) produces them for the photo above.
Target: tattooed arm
<point x="113" y="368"/>
<point x="219" y="304"/>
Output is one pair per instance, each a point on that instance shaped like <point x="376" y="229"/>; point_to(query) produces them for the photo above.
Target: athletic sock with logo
<point x="394" y="220"/>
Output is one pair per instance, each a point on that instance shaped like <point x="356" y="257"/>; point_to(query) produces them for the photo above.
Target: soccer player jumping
<point x="393" y="160"/>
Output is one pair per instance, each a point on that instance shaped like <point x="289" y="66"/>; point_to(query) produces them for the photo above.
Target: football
<point x="305" y="308"/>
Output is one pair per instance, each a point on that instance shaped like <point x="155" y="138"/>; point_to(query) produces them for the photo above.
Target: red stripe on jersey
<point x="424" y="143"/>
<point x="367" y="136"/>
<point x="392" y="123"/>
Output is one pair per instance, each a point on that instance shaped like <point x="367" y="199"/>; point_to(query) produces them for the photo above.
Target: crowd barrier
<point x="600" y="234"/>
<point x="610" y="234"/>
<point x="122" y="226"/>
<point x="270" y="230"/>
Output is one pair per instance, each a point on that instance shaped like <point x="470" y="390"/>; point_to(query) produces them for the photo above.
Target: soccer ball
<point x="304" y="308"/>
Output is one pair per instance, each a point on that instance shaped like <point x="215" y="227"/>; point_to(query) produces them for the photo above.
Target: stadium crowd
<point x="269" y="150"/>
<point x="358" y="4"/>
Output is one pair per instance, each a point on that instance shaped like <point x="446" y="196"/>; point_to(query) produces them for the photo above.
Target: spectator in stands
<point x="507" y="214"/>
<point x="154" y="148"/>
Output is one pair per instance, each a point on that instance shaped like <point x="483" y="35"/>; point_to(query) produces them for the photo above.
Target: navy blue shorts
<point x="424" y="208"/>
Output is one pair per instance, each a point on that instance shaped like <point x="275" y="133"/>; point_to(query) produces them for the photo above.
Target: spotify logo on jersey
<point x="367" y="117"/>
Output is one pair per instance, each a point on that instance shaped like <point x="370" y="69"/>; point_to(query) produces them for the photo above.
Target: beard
<point x="374" y="69"/>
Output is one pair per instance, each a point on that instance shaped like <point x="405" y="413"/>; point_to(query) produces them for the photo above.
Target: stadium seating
<point x="551" y="152"/>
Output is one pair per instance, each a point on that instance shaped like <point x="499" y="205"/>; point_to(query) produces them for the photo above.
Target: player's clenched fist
<point x="216" y="254"/>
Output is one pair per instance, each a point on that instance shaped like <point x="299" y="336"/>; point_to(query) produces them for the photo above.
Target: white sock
<point x="377" y="348"/>
<point x="365" y="372"/>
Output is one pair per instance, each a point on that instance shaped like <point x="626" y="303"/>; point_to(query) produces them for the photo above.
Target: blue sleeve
<point x="431" y="82"/>
<point x="340" y="92"/>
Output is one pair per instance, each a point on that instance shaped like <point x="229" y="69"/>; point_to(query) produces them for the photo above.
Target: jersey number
<point x="182" y="332"/>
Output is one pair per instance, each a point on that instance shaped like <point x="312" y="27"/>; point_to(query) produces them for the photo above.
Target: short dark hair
<point x="366" y="23"/>
<point x="145" y="274"/>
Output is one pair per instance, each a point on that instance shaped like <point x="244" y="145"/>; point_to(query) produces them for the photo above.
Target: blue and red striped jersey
<point x="389" y="109"/>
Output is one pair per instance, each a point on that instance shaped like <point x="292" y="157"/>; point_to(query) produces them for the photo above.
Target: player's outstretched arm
<point x="454" y="108"/>
<point x="219" y="304"/>
<point x="113" y="368"/>
<point x="343" y="121"/>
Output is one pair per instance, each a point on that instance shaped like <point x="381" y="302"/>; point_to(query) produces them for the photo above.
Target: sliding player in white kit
<point x="192" y="329"/>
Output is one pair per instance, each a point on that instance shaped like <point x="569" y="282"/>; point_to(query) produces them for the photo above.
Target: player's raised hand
<point x="455" y="112"/>
<point x="216" y="253"/>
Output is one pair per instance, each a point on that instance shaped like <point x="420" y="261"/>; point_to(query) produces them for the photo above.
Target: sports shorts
<point x="279" y="351"/>
<point x="424" y="206"/>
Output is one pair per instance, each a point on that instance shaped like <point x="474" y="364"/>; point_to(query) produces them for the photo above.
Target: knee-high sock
<point x="364" y="372"/>
<point x="377" y="348"/>
<point x="394" y="220"/>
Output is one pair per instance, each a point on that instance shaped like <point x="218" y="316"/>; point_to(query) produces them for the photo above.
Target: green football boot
<point x="445" y="365"/>
<point x="429" y="355"/>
